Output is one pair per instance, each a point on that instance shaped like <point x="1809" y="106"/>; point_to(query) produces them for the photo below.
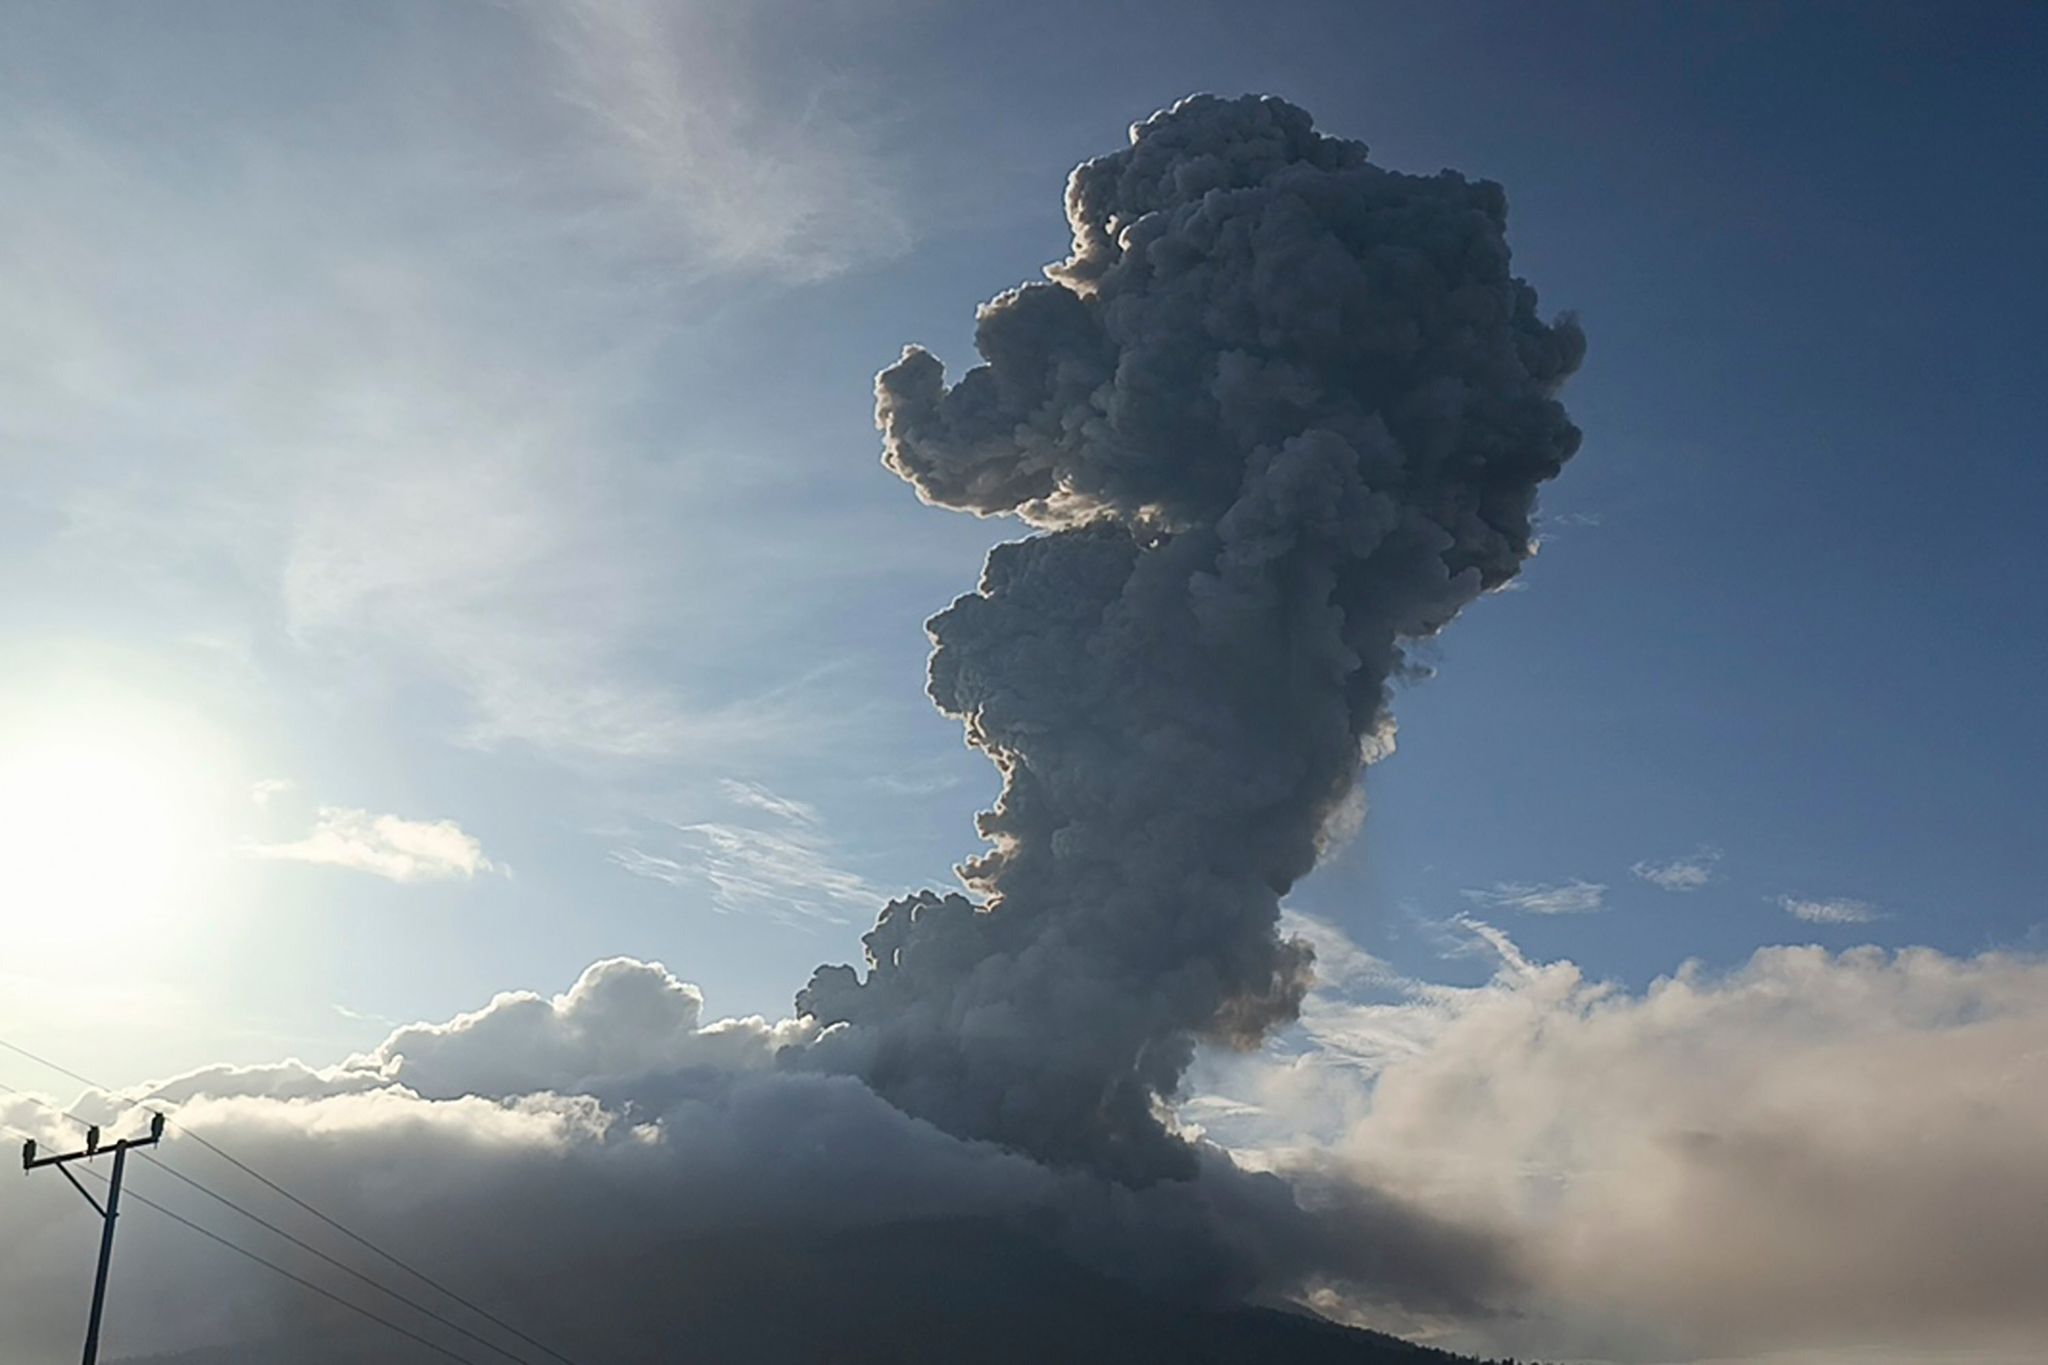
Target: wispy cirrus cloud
<point x="1830" y="910"/>
<point x="915" y="784"/>
<point x="1575" y="897"/>
<point x="394" y="457"/>
<point x="772" y="858"/>
<point x="387" y="846"/>
<point x="757" y="797"/>
<point x="687" y="101"/>
<point x="1689" y="873"/>
<point x="1362" y="1010"/>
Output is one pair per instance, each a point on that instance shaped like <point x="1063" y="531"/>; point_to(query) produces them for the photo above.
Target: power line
<point x="342" y="1266"/>
<point x="299" y="1280"/>
<point x="42" y="1103"/>
<point x="39" y="1102"/>
<point x="280" y="1190"/>
<point x="45" y="1061"/>
<point x="109" y="1212"/>
<point x="365" y="1242"/>
<point x="278" y="1231"/>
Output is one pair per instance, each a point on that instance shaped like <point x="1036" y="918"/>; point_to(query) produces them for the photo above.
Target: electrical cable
<point x="40" y="1102"/>
<point x="342" y="1266"/>
<point x="280" y="1190"/>
<point x="365" y="1242"/>
<point x="299" y="1280"/>
<point x="273" y="1228"/>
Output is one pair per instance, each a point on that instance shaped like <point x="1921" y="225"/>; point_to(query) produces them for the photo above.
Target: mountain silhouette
<point x="953" y="1292"/>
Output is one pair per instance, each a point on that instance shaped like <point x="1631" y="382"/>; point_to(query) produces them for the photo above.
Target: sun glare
<point x="98" y="828"/>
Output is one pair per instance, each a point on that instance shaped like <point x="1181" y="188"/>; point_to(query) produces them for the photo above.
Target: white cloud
<point x="1837" y="910"/>
<point x="1574" y="897"/>
<point x="690" y="101"/>
<point x="1485" y="938"/>
<point x="1812" y="1151"/>
<point x="1689" y="873"/>
<point x="1846" y="1146"/>
<point x="926" y="783"/>
<point x="266" y="790"/>
<point x="385" y="846"/>
<point x="608" y="1138"/>
<point x="621" y="1019"/>
<point x="758" y="797"/>
<point x="790" y="871"/>
<point x="408" y="456"/>
<point x="586" y="1131"/>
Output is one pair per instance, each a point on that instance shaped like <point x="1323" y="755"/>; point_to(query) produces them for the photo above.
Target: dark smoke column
<point x="1279" y="412"/>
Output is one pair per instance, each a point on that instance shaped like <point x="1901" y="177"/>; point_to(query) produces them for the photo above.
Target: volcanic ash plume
<point x="1278" y="413"/>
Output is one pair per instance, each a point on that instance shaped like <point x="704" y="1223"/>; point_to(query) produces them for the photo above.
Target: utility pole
<point x="30" y="1162"/>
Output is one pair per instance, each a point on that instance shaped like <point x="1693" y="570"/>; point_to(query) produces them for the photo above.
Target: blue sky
<point x="465" y="416"/>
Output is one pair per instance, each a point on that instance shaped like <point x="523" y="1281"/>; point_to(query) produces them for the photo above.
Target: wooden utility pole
<point x="112" y="1210"/>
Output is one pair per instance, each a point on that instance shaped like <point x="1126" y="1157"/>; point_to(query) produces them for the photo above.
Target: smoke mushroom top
<point x="1279" y="413"/>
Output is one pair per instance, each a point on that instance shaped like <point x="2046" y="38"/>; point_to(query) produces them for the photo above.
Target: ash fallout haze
<point x="448" y="579"/>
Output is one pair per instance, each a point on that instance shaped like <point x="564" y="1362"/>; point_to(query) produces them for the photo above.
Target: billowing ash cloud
<point x="1280" y="412"/>
<point x="648" y="1178"/>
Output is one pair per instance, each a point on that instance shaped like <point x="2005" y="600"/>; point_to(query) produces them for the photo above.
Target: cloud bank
<point x="610" y="1125"/>
<point x="1813" y="1150"/>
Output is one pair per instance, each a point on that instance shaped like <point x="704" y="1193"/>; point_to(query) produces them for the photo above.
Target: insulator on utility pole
<point x="30" y="1161"/>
